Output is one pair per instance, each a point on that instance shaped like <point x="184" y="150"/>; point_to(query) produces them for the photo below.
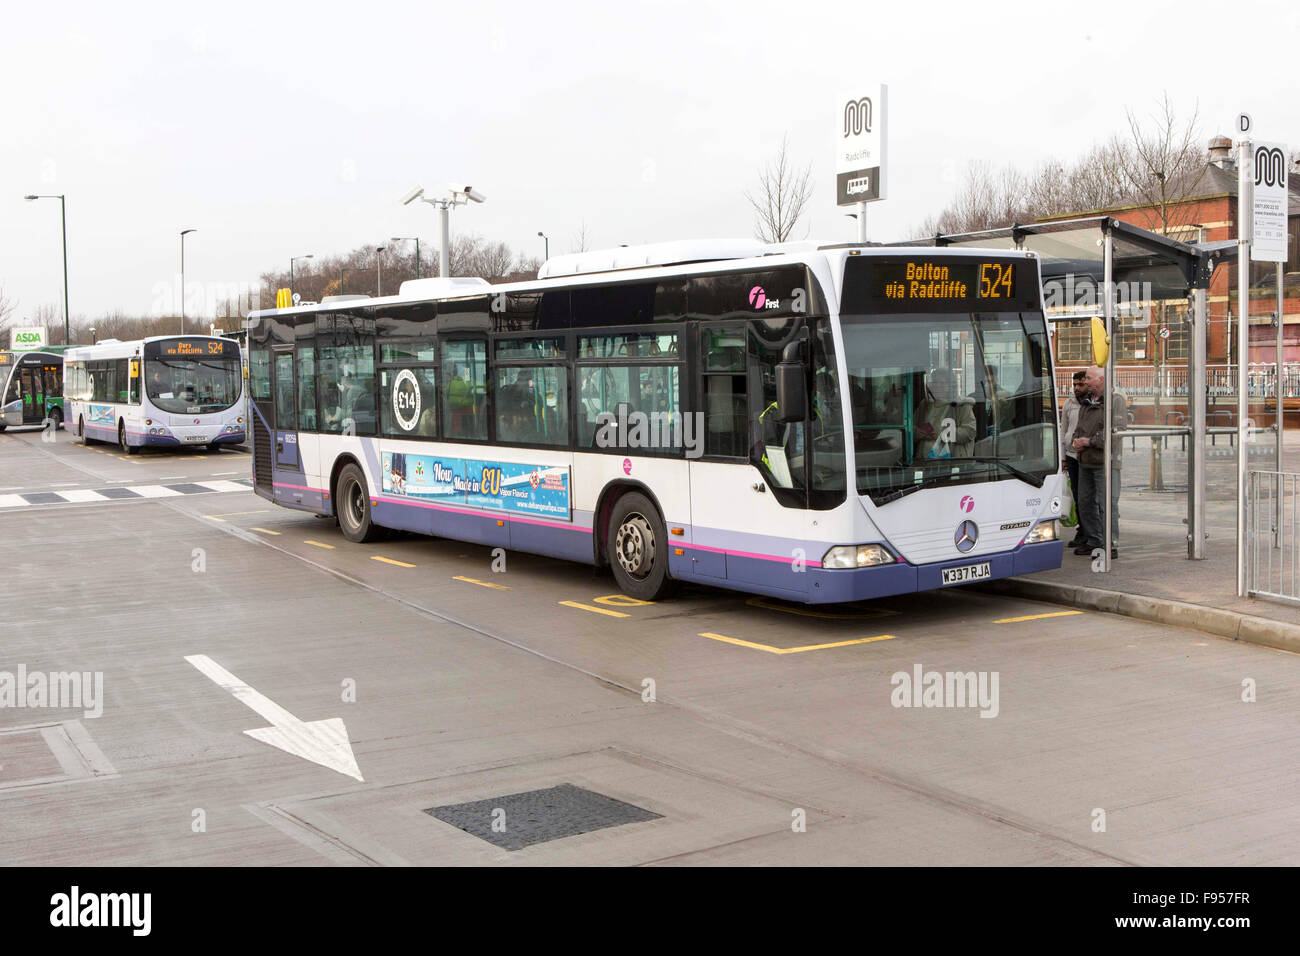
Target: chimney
<point x="1221" y="152"/>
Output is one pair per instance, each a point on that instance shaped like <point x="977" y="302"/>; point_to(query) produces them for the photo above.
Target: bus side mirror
<point x="791" y="391"/>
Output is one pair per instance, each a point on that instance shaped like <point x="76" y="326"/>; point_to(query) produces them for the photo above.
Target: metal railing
<point x="1170" y="381"/>
<point x="1273" y="535"/>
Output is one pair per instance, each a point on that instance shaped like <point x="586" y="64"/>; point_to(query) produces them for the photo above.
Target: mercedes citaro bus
<point x="814" y="423"/>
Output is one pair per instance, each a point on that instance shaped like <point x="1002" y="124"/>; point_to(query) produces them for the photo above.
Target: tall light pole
<point x="291" y="262"/>
<point x="416" y="240"/>
<point x="63" y="215"/>
<point x="379" y="270"/>
<point x="184" y="233"/>
<point x="456" y="196"/>
<point x="546" y="239"/>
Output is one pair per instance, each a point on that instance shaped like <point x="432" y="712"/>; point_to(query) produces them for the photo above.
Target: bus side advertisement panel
<point x="524" y="489"/>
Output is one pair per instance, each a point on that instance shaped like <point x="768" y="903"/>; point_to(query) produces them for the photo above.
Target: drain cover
<point x="519" y="820"/>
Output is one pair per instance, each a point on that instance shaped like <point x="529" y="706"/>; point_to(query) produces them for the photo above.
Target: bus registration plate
<point x="969" y="572"/>
<point x="196" y="437"/>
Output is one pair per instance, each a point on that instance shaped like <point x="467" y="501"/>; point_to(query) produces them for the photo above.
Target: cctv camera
<point x="476" y="196"/>
<point x="413" y="195"/>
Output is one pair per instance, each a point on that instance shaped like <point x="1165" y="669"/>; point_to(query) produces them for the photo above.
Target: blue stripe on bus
<point x="771" y="575"/>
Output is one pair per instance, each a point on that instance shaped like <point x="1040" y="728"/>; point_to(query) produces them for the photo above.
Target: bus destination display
<point x="938" y="284"/>
<point x="929" y="280"/>
<point x="191" y="348"/>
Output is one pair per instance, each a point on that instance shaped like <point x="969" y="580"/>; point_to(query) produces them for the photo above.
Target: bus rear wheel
<point x="121" y="440"/>
<point x="637" y="548"/>
<point x="352" y="501"/>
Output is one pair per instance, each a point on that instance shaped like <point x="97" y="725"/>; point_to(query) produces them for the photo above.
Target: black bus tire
<point x="636" y="546"/>
<point x="121" y="440"/>
<point x="352" y="502"/>
<point x="81" y="430"/>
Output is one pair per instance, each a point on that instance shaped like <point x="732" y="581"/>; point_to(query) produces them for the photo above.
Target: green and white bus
<point x="31" y="384"/>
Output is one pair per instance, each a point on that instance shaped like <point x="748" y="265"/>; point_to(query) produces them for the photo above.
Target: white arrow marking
<point x="321" y="741"/>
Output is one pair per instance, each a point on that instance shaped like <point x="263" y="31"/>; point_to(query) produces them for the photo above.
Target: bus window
<point x="306" y="377"/>
<point x="464" y="374"/>
<point x="532" y="405"/>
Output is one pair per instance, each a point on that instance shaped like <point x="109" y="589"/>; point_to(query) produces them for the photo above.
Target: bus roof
<point x="629" y="263"/>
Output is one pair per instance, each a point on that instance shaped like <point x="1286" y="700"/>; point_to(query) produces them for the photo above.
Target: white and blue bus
<point x="178" y="390"/>
<point x="818" y="424"/>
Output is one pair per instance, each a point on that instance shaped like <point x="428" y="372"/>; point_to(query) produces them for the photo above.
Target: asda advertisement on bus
<point x="506" y="486"/>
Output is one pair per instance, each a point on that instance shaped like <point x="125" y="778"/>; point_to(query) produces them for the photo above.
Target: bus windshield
<point x="193" y="385"/>
<point x="949" y="398"/>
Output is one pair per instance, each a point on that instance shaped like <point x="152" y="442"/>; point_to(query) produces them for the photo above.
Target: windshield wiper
<point x="1034" y="480"/>
<point x="926" y="482"/>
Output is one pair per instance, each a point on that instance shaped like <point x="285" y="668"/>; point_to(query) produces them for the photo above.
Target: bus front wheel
<point x="637" y="548"/>
<point x="81" y="430"/>
<point x="121" y="440"/>
<point x="352" y="501"/>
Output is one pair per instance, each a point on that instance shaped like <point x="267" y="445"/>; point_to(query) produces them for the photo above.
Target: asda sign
<point x="26" y="340"/>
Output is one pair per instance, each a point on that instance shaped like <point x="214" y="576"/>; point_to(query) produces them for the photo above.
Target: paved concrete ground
<point x="1153" y="560"/>
<point x="458" y="684"/>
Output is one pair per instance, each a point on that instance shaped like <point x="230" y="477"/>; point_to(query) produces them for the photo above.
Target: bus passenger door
<point x="286" y="409"/>
<point x="33" y="390"/>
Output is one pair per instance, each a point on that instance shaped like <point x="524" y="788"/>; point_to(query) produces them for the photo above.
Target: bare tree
<point x="6" y="310"/>
<point x="580" y="241"/>
<point x="1162" y="164"/>
<point x="781" y="198"/>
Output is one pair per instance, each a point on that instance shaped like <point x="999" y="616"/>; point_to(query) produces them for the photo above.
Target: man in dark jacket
<point x="1090" y="442"/>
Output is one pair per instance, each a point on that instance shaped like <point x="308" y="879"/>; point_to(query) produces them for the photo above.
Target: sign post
<point x="860" y="125"/>
<point x="27" y="340"/>
<point x="1268" y="244"/>
<point x="1245" y="219"/>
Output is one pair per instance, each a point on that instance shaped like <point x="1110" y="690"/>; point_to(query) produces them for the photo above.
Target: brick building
<point x="1206" y="212"/>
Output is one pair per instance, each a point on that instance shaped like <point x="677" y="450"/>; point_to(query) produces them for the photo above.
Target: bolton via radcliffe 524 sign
<point x="860" y="145"/>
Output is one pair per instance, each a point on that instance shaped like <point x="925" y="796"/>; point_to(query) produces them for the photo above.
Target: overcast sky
<point x="278" y="131"/>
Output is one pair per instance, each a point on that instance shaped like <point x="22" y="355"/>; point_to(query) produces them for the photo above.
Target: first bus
<point x="812" y="423"/>
<point x="163" y="391"/>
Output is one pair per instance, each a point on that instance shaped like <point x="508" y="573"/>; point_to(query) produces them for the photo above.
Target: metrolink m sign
<point x="860" y="120"/>
<point x="27" y="340"/>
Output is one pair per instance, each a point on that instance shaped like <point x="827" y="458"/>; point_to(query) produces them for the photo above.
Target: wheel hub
<point x="634" y="545"/>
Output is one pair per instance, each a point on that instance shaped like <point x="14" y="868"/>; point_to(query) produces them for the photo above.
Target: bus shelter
<point x="1129" y="278"/>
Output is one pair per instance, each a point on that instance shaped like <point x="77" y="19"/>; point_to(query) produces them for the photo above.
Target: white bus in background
<point x="156" y="392"/>
<point x="847" y="421"/>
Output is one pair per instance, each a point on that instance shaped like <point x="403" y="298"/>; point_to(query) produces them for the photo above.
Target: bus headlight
<point x="1045" y="531"/>
<point x="857" y="556"/>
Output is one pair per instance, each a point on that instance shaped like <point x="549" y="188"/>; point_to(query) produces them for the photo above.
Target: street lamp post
<point x="546" y="239"/>
<point x="291" y="262"/>
<point x="63" y="216"/>
<point x="184" y="233"/>
<point x="416" y="240"/>
<point x="379" y="270"/>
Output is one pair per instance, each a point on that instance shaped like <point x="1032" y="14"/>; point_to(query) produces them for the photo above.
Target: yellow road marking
<point x="596" y="610"/>
<point x="827" y="615"/>
<point x="318" y="544"/>
<point x="231" y="514"/>
<point x="264" y="530"/>
<point x="794" y="650"/>
<point x="482" y="584"/>
<point x="621" y="600"/>
<point x="400" y="564"/>
<point x="1035" y="617"/>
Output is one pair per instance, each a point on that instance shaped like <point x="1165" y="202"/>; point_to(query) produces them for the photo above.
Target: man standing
<point x="1090" y="442"/>
<point x="1069" y="422"/>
